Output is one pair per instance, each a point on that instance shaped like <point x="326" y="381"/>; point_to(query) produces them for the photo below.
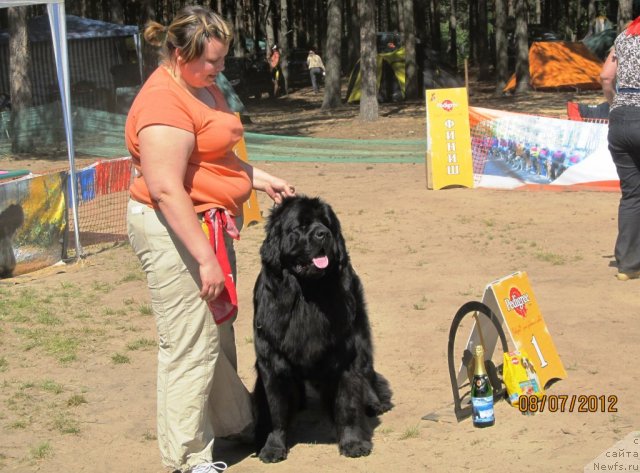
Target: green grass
<point x="145" y="309"/>
<point x="52" y="387"/>
<point x="119" y="359"/>
<point x="41" y="450"/>
<point x="141" y="344"/>
<point x="54" y="329"/>
<point x="411" y="433"/>
<point x="133" y="276"/>
<point x="76" y="400"/>
<point x="65" y="424"/>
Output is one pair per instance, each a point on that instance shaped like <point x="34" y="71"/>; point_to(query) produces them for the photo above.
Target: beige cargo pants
<point x="200" y="395"/>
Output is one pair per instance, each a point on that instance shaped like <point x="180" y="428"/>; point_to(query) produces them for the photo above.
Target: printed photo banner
<point x="33" y="221"/>
<point x="513" y="150"/>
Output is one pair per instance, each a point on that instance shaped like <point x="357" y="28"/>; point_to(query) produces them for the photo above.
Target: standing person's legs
<point x="313" y="72"/>
<point x="624" y="144"/>
<point x="193" y="363"/>
<point x="275" y="78"/>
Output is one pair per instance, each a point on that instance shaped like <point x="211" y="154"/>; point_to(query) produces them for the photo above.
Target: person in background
<point x="316" y="69"/>
<point x="274" y="65"/>
<point x="186" y="196"/>
<point x="621" y="86"/>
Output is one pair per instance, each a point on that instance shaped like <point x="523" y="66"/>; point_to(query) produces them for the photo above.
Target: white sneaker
<point x="213" y="467"/>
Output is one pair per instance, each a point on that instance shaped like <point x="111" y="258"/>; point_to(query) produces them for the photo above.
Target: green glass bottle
<point x="481" y="393"/>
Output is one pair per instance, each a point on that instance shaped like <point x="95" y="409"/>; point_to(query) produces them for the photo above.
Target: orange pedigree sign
<point x="526" y="325"/>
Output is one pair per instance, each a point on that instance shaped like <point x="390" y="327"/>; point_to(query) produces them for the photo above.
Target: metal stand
<point x="495" y="373"/>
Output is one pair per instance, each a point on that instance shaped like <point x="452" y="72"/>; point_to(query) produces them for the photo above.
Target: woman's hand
<point x="278" y="189"/>
<point x="274" y="187"/>
<point x="212" y="279"/>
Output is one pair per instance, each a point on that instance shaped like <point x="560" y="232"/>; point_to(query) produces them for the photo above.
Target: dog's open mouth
<point x="319" y="262"/>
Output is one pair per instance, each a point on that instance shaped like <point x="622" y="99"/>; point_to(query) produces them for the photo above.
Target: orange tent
<point x="561" y="65"/>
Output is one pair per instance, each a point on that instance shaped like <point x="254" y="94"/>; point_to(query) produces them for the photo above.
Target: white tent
<point x="56" y="11"/>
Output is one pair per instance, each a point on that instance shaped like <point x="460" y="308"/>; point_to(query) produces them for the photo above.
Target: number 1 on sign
<point x="534" y="342"/>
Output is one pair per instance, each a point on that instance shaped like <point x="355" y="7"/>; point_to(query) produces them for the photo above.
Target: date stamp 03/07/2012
<point x="568" y="403"/>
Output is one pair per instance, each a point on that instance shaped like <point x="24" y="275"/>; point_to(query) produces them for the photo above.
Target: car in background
<point x="249" y="77"/>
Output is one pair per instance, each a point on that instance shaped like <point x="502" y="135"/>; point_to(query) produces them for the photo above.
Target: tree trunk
<point x="411" y="84"/>
<point x="269" y="23"/>
<point x="369" y="97"/>
<point x="240" y="29"/>
<point x="453" y="35"/>
<point x="577" y="24"/>
<point x="332" y="58"/>
<point x="116" y="12"/>
<point x="538" y="8"/>
<point x="472" y="54"/>
<point x="625" y="14"/>
<point x="436" y="40"/>
<point x="19" y="83"/>
<point x="502" y="58"/>
<point x="591" y="16"/>
<point x="353" y="38"/>
<point x="484" y="59"/>
<point x="283" y="39"/>
<point x="523" y="76"/>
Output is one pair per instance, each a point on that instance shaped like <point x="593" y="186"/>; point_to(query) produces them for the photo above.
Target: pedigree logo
<point x="447" y="105"/>
<point x="517" y="301"/>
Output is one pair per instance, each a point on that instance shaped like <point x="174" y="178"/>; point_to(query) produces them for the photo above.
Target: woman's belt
<point x="628" y="90"/>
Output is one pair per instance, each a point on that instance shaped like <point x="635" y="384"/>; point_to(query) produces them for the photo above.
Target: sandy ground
<point x="421" y="254"/>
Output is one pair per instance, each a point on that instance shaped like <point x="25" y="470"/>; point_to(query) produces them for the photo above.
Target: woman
<point x="316" y="69"/>
<point x="621" y="85"/>
<point x="180" y="133"/>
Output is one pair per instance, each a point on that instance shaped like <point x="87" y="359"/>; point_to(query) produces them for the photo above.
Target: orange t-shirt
<point x="214" y="177"/>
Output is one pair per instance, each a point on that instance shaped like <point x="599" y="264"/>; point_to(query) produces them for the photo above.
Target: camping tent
<point x="98" y="60"/>
<point x="558" y="65"/>
<point x="55" y="9"/>
<point x="390" y="77"/>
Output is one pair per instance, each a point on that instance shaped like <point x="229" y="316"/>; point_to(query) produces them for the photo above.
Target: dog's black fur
<point x="311" y="325"/>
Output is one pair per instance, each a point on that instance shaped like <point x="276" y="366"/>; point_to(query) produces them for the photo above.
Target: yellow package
<point x="520" y="376"/>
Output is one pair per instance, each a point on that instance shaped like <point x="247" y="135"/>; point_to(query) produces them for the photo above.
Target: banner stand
<point x="449" y="162"/>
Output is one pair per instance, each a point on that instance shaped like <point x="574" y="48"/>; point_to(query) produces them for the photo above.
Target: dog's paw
<point x="378" y="408"/>
<point x="272" y="454"/>
<point x="385" y="406"/>
<point x="355" y="448"/>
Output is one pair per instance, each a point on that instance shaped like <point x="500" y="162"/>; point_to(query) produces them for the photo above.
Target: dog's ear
<point x="336" y="231"/>
<point x="270" y="249"/>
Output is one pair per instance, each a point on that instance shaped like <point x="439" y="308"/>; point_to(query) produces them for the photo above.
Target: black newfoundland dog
<point x="311" y="325"/>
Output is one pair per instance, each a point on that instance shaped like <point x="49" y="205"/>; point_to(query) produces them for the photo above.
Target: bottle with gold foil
<point x="481" y="393"/>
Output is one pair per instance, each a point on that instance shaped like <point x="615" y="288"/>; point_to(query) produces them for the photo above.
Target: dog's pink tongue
<point x="321" y="262"/>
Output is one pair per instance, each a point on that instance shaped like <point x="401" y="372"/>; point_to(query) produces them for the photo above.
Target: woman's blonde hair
<point x="189" y="31"/>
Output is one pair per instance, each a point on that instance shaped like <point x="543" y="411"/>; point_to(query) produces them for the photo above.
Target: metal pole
<point x="57" y="20"/>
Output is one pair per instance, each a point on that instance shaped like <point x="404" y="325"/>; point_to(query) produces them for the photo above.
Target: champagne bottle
<point x="481" y="393"/>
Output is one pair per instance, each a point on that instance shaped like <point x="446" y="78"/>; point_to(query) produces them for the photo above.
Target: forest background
<point x="491" y="36"/>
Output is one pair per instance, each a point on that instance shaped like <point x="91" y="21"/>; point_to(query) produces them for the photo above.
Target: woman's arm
<point x="164" y="153"/>
<point x="274" y="187"/>
<point x="608" y="76"/>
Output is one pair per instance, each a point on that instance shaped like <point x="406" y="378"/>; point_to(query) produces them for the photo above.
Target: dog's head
<point x="303" y="236"/>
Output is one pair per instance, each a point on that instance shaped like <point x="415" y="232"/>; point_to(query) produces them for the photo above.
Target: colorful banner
<point x="33" y="221"/>
<point x="512" y="150"/>
<point x="449" y="162"/>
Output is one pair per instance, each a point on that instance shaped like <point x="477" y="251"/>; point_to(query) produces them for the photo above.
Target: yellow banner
<point x="449" y="161"/>
<point x="250" y="210"/>
<point x="528" y="329"/>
